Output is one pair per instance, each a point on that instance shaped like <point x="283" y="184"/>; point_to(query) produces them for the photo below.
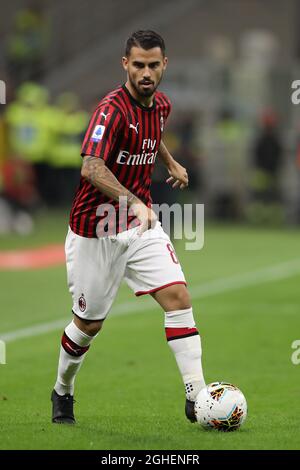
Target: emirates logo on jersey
<point x="146" y="157"/>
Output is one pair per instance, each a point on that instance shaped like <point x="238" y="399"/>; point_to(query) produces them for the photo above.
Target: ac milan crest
<point x="82" y="303"/>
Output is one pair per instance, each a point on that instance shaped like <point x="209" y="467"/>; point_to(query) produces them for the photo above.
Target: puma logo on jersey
<point x="104" y="115"/>
<point x="131" y="126"/>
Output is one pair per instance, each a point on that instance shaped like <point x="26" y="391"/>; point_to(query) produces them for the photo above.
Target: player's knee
<point x="89" y="327"/>
<point x="181" y="298"/>
<point x="178" y="298"/>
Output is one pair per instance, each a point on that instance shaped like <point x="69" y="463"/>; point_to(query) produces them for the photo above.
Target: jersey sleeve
<point x="102" y="134"/>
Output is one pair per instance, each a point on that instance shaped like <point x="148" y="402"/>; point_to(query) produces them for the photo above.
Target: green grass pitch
<point x="129" y="393"/>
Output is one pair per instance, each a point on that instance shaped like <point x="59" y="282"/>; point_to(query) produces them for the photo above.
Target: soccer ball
<point x="221" y="406"/>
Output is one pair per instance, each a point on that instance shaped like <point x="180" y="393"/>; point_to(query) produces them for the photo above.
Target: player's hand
<point x="145" y="215"/>
<point x="178" y="176"/>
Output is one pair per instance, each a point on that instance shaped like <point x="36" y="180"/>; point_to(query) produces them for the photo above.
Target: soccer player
<point x="106" y="244"/>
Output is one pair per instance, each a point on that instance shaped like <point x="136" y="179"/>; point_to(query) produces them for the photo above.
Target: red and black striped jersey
<point x="126" y="135"/>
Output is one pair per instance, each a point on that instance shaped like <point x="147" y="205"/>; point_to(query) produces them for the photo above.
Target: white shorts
<point x="97" y="266"/>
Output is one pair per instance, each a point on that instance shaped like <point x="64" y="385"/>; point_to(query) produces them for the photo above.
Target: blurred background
<point x="233" y="125"/>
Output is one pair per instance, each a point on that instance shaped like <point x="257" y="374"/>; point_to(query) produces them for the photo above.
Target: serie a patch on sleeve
<point x="98" y="133"/>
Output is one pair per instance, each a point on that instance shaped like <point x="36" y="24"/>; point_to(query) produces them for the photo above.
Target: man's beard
<point x="144" y="92"/>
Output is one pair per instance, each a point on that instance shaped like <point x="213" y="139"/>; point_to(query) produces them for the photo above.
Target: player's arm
<point x="178" y="174"/>
<point x="99" y="175"/>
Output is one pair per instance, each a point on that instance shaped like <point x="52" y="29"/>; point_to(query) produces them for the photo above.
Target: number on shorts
<point x="172" y="253"/>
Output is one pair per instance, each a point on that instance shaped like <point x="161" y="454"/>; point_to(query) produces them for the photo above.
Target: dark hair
<point x="146" y="40"/>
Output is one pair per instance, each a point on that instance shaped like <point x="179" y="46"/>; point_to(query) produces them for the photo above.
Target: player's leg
<point x="153" y="268"/>
<point x="93" y="286"/>
<point x="184" y="339"/>
<point x="75" y="343"/>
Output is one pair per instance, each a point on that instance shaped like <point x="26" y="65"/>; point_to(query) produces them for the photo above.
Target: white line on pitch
<point x="217" y="286"/>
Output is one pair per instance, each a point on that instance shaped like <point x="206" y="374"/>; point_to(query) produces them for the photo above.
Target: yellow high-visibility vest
<point x="29" y="131"/>
<point x="68" y="132"/>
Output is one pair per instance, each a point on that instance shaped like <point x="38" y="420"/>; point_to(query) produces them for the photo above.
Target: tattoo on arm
<point x="99" y="175"/>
